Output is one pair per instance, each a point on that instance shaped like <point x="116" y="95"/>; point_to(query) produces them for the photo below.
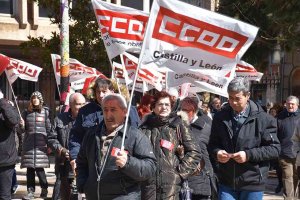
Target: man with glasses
<point x="287" y="121"/>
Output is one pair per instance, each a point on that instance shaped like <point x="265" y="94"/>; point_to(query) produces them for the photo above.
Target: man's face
<point x="76" y="105"/>
<point x="238" y="101"/>
<point x="292" y="105"/>
<point x="113" y="114"/>
<point x="162" y="107"/>
<point x="217" y="104"/>
<point x="101" y="92"/>
<point x="35" y="101"/>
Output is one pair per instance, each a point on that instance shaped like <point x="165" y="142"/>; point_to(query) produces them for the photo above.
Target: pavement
<point x="269" y="194"/>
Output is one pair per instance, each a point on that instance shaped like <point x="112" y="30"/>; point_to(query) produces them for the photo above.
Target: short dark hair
<point x="159" y="96"/>
<point x="191" y="102"/>
<point x="102" y="83"/>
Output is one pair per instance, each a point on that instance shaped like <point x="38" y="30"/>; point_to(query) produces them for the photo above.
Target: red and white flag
<point x="23" y="70"/>
<point x="150" y="75"/>
<point x="246" y="70"/>
<point x="180" y="36"/>
<point x="122" y="28"/>
<point x="78" y="72"/>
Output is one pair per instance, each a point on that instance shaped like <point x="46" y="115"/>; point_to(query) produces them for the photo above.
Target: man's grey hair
<point x="73" y="96"/>
<point x="239" y="84"/>
<point x="115" y="96"/>
<point x="290" y="98"/>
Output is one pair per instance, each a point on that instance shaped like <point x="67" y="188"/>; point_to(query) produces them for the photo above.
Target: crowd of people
<point x="170" y="148"/>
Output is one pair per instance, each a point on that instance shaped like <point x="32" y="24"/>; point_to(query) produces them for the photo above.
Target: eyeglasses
<point x="164" y="104"/>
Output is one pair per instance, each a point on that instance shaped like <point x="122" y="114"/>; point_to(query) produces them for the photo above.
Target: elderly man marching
<point x="58" y="140"/>
<point x="104" y="171"/>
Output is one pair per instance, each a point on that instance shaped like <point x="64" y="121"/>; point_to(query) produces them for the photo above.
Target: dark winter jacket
<point x="201" y="183"/>
<point x="286" y="123"/>
<point x="166" y="135"/>
<point x="59" y="137"/>
<point x="9" y="119"/>
<point x="88" y="116"/>
<point x="37" y="128"/>
<point x="257" y="137"/>
<point x="115" y="183"/>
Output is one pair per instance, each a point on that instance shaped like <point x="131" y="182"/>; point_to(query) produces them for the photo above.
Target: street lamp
<point x="278" y="59"/>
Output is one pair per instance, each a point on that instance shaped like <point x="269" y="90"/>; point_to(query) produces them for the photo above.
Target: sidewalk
<point x="22" y="191"/>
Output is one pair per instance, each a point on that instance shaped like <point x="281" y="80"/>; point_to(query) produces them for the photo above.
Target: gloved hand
<point x="1" y="95"/>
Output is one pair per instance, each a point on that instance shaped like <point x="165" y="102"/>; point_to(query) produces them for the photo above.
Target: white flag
<point x="246" y="70"/>
<point x="23" y="70"/>
<point x="180" y="37"/>
<point x="122" y="28"/>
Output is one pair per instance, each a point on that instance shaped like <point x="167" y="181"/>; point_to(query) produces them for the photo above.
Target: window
<point x="6" y="6"/>
<point x="23" y="89"/>
<point x="133" y="4"/>
<point x="43" y="12"/>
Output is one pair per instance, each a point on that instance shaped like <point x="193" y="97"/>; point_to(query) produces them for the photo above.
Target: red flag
<point x="4" y="61"/>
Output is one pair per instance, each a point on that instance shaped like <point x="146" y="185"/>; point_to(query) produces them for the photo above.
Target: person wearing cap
<point x="9" y="119"/>
<point x="104" y="170"/>
<point x="36" y="125"/>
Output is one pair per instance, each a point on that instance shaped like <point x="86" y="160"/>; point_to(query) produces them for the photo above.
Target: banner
<point x="23" y="70"/>
<point x="122" y="28"/>
<point x="120" y="74"/>
<point x="200" y="82"/>
<point x="77" y="72"/>
<point x="181" y="36"/>
<point x="150" y="75"/>
<point x="246" y="70"/>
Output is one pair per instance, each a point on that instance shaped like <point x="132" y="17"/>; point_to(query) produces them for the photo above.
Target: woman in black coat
<point x="167" y="132"/>
<point x="203" y="184"/>
<point x="36" y="125"/>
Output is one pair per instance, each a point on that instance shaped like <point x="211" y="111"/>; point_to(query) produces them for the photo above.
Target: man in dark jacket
<point x="287" y="122"/>
<point x="91" y="115"/>
<point x="106" y="170"/>
<point x="9" y="118"/>
<point x="243" y="140"/>
<point x="58" y="141"/>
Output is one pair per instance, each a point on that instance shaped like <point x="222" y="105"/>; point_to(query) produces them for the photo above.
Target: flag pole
<point x="128" y="108"/>
<point x="12" y="91"/>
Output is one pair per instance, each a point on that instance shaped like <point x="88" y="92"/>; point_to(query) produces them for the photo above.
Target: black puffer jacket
<point x="9" y="118"/>
<point x="115" y="183"/>
<point x="37" y="128"/>
<point x="201" y="184"/>
<point x="170" y="169"/>
<point x="257" y="137"/>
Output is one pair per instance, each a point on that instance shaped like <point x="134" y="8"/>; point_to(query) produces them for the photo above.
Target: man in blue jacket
<point x="9" y="118"/>
<point x="91" y="115"/>
<point x="243" y="140"/>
